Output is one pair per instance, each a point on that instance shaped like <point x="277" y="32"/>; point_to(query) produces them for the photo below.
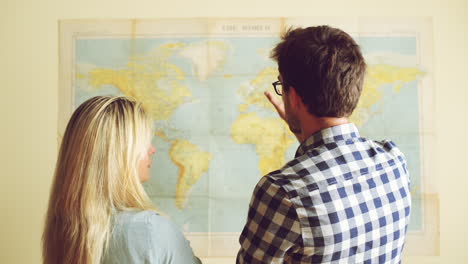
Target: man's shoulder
<point x="388" y="146"/>
<point x="284" y="181"/>
<point x="328" y="164"/>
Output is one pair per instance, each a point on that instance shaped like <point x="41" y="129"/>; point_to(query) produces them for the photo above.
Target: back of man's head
<point x="325" y="66"/>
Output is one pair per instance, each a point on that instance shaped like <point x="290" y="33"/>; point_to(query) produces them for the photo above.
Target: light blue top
<point x="146" y="237"/>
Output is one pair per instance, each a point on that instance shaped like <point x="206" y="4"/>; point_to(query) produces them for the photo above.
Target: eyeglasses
<point x="278" y="87"/>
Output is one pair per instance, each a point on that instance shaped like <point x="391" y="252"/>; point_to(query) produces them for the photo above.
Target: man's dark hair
<point x="325" y="66"/>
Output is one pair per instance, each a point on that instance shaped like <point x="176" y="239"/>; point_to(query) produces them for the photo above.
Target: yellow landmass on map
<point x="270" y="136"/>
<point x="163" y="52"/>
<point x="253" y="91"/>
<point x="162" y="135"/>
<point x="377" y="76"/>
<point x="152" y="80"/>
<point x="192" y="163"/>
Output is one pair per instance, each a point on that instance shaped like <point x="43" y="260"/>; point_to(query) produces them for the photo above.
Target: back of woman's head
<point x="96" y="173"/>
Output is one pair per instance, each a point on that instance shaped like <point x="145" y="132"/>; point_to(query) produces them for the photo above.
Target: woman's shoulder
<point x="144" y="217"/>
<point x="136" y="216"/>
<point x="146" y="222"/>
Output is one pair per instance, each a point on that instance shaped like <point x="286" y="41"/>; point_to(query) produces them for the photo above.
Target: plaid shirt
<point x="343" y="199"/>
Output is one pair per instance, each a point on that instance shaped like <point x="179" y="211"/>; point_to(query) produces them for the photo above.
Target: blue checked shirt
<point x="343" y="199"/>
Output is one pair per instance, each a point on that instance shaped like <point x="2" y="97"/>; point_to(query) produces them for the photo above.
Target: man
<point x="343" y="198"/>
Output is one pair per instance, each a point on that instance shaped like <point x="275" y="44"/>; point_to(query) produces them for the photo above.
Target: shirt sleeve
<point x="272" y="232"/>
<point x="167" y="244"/>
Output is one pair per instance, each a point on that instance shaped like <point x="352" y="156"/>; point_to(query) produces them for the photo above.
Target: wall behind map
<point x="29" y="75"/>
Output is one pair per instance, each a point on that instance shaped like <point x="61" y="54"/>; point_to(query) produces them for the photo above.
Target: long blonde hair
<point x="96" y="174"/>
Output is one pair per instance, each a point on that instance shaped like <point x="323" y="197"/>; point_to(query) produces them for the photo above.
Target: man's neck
<point x="311" y="125"/>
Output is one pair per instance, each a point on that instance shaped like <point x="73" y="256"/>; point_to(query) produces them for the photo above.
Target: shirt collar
<point x="328" y="135"/>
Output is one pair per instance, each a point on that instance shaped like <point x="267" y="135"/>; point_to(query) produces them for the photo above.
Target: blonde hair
<point x="96" y="174"/>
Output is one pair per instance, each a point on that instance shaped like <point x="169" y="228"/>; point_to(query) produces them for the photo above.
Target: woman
<point x="98" y="210"/>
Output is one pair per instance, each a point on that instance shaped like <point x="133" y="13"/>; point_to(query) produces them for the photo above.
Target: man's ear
<point x="294" y="99"/>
